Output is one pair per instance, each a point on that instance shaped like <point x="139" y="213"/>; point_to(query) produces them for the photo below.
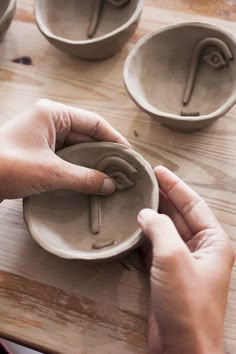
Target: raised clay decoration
<point x="97" y="10"/>
<point x="7" y="11"/>
<point x="122" y="172"/>
<point x="94" y="227"/>
<point x="218" y="58"/>
<point x="91" y="29"/>
<point x="183" y="75"/>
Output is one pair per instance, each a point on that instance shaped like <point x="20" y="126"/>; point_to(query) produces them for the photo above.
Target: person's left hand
<point x="28" y="163"/>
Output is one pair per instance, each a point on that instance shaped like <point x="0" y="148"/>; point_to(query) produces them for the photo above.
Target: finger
<point x="88" y="123"/>
<point x="92" y="124"/>
<point x="71" y="139"/>
<point x="191" y="206"/>
<point x="162" y="233"/>
<point x="168" y="208"/>
<point x="74" y="138"/>
<point x="64" y="175"/>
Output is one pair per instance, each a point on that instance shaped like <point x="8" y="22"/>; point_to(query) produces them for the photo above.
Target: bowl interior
<point x="70" y="19"/>
<point x="157" y="73"/>
<point x="60" y="220"/>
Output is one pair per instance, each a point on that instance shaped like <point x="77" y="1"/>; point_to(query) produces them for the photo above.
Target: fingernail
<point x="109" y="186"/>
<point x="143" y="214"/>
<point x="125" y="141"/>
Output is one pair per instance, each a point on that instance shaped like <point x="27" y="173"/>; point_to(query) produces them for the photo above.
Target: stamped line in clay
<point x="121" y="171"/>
<point x="217" y="60"/>
<point x="97" y="11"/>
<point x="99" y="244"/>
<point x="118" y="3"/>
<point x="190" y="114"/>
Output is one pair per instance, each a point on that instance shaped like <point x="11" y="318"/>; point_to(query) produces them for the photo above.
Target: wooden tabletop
<point x="63" y="306"/>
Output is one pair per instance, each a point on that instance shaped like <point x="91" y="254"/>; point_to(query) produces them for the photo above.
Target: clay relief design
<point x="97" y="11"/>
<point x="218" y="58"/>
<point x="123" y="174"/>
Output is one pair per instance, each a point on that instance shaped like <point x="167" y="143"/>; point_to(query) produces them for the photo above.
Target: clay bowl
<point x="183" y="75"/>
<point x="7" y="11"/>
<point x="65" y="24"/>
<point x="60" y="221"/>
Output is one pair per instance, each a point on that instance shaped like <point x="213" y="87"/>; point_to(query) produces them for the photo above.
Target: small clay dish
<point x="91" y="29"/>
<point x="183" y="75"/>
<point x="79" y="226"/>
<point x="7" y="11"/>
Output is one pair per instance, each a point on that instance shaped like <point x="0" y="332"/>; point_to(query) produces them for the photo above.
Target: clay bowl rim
<point x="150" y="109"/>
<point x="44" y="29"/>
<point x="108" y="253"/>
<point x="10" y="7"/>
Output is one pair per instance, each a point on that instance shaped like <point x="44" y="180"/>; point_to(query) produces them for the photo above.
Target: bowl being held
<point x="7" y="11"/>
<point x="184" y="75"/>
<point x="78" y="226"/>
<point x="91" y="29"/>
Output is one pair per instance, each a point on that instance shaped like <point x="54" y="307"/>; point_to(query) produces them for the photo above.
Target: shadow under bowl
<point x="60" y="221"/>
<point x="65" y="24"/>
<point x="7" y="11"/>
<point x="159" y="70"/>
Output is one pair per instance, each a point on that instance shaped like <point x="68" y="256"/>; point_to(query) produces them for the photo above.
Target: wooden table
<point x="63" y="306"/>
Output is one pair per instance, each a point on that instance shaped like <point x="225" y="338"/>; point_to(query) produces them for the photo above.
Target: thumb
<point x="162" y="233"/>
<point x="66" y="175"/>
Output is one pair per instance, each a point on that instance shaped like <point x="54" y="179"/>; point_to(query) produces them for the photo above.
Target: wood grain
<point x="225" y="9"/>
<point x="63" y="306"/>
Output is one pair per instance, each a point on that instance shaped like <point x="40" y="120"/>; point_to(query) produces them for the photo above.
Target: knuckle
<point x="52" y="175"/>
<point x="42" y="109"/>
<point x="150" y="223"/>
<point x="42" y="104"/>
<point x="56" y="112"/>
<point x="98" y="122"/>
<point x="190" y="205"/>
<point x="91" y="181"/>
<point x="62" y="121"/>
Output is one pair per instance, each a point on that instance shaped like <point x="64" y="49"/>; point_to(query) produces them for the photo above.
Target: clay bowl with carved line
<point x="7" y="11"/>
<point x="184" y="75"/>
<point x="78" y="226"/>
<point x="91" y="29"/>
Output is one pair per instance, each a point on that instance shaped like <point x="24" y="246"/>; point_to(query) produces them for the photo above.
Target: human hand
<point x="191" y="261"/>
<point x="28" y="163"/>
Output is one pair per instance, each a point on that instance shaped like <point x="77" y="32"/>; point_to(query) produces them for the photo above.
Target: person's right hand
<point x="28" y="163"/>
<point x="191" y="262"/>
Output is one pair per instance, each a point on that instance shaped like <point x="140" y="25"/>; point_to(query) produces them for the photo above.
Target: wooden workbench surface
<point x="63" y="306"/>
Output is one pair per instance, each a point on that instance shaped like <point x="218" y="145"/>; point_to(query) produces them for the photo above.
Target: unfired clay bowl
<point x="7" y="11"/>
<point x="65" y="24"/>
<point x="183" y="75"/>
<point x="61" y="221"/>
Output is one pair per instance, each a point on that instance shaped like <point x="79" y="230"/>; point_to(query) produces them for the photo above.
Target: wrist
<point x="194" y="343"/>
<point x="194" y="347"/>
<point x="189" y="349"/>
<point x="2" y="176"/>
